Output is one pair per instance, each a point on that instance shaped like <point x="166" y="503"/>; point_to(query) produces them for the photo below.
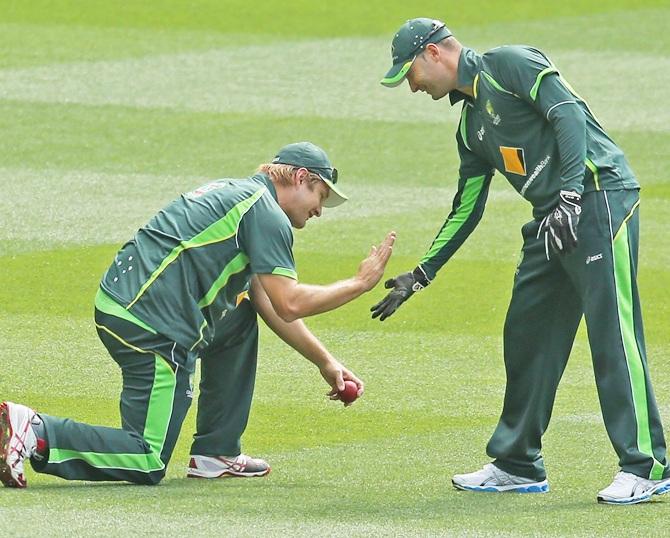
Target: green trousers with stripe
<point x="549" y="298"/>
<point x="228" y="374"/>
<point x="156" y="395"/>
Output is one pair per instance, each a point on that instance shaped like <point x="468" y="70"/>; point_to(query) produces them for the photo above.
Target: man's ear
<point x="432" y="51"/>
<point x="300" y="175"/>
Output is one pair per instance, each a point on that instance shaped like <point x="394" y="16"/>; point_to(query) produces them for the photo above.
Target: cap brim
<point x="335" y="196"/>
<point x="397" y="74"/>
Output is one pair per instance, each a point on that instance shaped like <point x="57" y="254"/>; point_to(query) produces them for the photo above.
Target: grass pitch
<point x="109" y="110"/>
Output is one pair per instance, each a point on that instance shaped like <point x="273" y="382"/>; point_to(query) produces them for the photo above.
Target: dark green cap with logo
<point x="409" y="42"/>
<point x="312" y="157"/>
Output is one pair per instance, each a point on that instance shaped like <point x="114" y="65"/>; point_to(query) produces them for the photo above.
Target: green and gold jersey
<point x="525" y="121"/>
<point x="184" y="270"/>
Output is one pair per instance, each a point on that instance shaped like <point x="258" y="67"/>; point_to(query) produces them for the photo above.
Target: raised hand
<point x="371" y="269"/>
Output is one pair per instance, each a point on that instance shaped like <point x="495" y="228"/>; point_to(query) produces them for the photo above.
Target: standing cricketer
<point x="579" y="255"/>
<point x="178" y="291"/>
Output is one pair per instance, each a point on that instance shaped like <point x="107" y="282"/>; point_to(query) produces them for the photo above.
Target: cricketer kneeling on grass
<point x="188" y="286"/>
<point x="579" y="257"/>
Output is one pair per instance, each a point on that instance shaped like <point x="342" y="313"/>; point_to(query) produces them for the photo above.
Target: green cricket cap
<point x="410" y="41"/>
<point x="312" y="157"/>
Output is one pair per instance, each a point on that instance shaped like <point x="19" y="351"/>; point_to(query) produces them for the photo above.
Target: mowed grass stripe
<point x="255" y="79"/>
<point x="76" y="209"/>
<point x="338" y="17"/>
<point x="30" y="43"/>
<point x="278" y="79"/>
<point x="122" y="140"/>
<point x="100" y="522"/>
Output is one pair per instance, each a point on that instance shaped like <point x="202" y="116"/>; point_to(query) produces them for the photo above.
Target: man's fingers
<point x="382" y="251"/>
<point x="389" y="303"/>
<point x="563" y="239"/>
<point x="350" y="376"/>
<point x="561" y="224"/>
<point x="376" y="306"/>
<point x="385" y="254"/>
<point x="566" y="240"/>
<point x="388" y="313"/>
<point x="573" y="233"/>
<point x="546" y="244"/>
<point x="380" y="307"/>
<point x="339" y="381"/>
<point x="390" y="307"/>
<point x="556" y="242"/>
<point x="388" y="240"/>
<point x="569" y="240"/>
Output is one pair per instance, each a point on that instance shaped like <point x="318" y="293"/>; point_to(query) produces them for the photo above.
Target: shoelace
<point x="238" y="464"/>
<point x="619" y="479"/>
<point x="498" y="476"/>
<point x="17" y="445"/>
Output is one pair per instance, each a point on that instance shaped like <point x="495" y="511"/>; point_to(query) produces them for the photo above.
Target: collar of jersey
<point x="268" y="183"/>
<point x="469" y="65"/>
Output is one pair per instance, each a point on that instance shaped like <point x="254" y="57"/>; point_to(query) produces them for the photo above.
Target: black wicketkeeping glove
<point x="560" y="226"/>
<point x="404" y="286"/>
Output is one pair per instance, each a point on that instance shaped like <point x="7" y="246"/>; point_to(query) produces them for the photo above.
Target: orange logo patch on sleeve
<point x="514" y="160"/>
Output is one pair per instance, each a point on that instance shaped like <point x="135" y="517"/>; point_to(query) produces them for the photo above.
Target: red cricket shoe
<point x="17" y="442"/>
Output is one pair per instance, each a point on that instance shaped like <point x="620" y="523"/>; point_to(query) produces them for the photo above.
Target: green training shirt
<point x="184" y="270"/>
<point x="526" y="122"/>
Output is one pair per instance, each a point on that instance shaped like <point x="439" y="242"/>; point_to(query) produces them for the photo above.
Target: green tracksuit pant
<point x="549" y="297"/>
<point x="156" y="395"/>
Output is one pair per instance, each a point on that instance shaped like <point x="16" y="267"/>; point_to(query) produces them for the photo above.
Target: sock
<point x="42" y="448"/>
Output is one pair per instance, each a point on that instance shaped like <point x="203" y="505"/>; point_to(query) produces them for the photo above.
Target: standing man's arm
<point x="566" y="116"/>
<point x="531" y="76"/>
<point x="467" y="210"/>
<point x="299" y="337"/>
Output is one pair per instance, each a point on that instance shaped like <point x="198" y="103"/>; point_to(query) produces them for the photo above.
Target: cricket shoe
<point x="492" y="479"/>
<point x="17" y="442"/>
<point x="224" y="466"/>
<point x="628" y="488"/>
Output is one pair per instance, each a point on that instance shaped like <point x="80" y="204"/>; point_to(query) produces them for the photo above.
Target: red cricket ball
<point x="350" y="392"/>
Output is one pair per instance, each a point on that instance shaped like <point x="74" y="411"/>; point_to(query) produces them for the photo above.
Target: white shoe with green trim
<point x="628" y="488"/>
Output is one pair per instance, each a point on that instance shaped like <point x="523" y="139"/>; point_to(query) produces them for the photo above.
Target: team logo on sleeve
<point x="514" y="160"/>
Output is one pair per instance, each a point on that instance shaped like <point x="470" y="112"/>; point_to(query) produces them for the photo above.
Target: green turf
<point x="295" y="18"/>
<point x="110" y="109"/>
